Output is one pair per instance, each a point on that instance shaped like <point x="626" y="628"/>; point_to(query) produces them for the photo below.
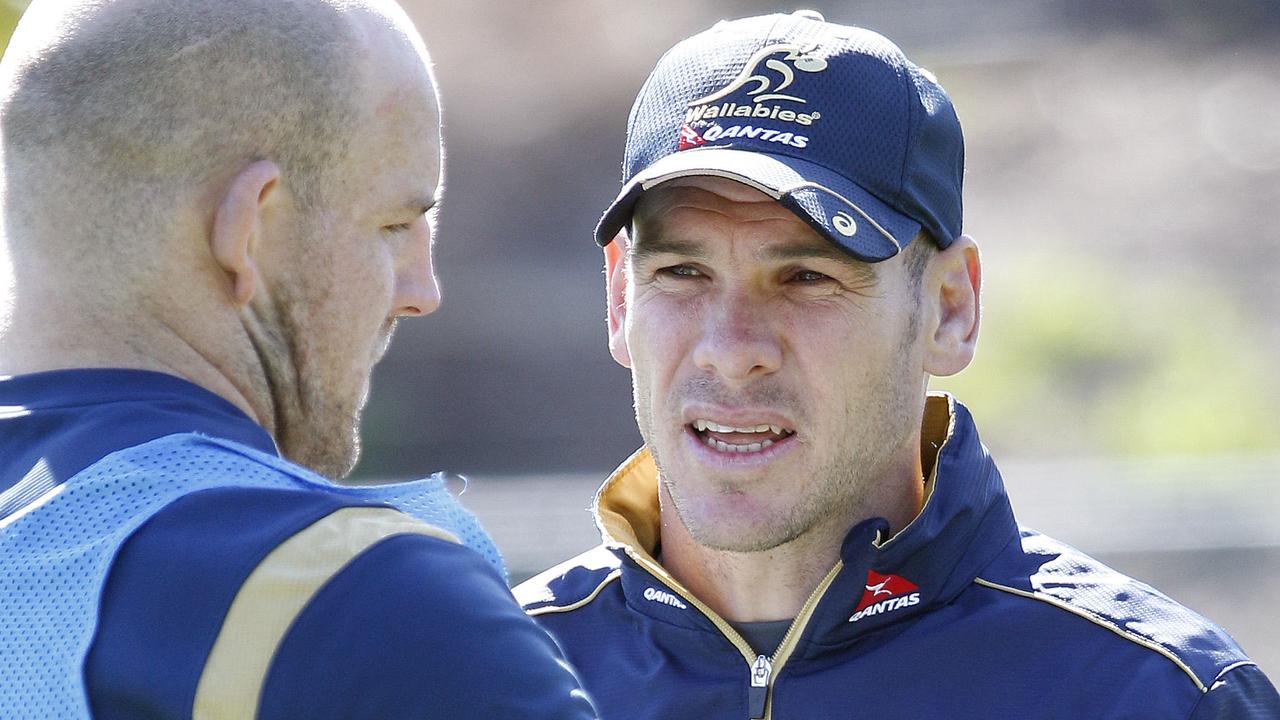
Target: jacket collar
<point x="55" y="424"/>
<point x="966" y="520"/>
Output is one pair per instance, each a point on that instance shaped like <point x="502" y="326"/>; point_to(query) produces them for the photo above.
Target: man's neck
<point x="747" y="587"/>
<point x="774" y="584"/>
<point x="37" y="341"/>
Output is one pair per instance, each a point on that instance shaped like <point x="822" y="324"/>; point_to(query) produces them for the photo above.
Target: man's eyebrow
<point x="422" y="204"/>
<point x="819" y="250"/>
<point x="800" y="251"/>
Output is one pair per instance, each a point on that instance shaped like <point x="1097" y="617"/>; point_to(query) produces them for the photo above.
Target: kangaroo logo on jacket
<point x="885" y="593"/>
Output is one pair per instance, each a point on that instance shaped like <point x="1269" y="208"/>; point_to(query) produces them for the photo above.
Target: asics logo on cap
<point x="844" y="224"/>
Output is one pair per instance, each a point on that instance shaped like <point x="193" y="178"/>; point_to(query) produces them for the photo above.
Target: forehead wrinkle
<point x="676" y="195"/>
<point x="671" y="213"/>
<point x="649" y="244"/>
<point x="693" y="238"/>
<point x="792" y="240"/>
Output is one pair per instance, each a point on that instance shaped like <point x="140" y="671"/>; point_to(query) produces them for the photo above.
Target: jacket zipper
<point x="761" y="675"/>
<point x="762" y="669"/>
<point x="792" y="638"/>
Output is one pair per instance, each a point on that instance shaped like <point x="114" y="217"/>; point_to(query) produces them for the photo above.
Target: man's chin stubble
<point x="330" y="453"/>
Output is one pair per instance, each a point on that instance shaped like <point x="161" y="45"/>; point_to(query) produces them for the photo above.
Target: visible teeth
<point x="702" y="425"/>
<point x="730" y="448"/>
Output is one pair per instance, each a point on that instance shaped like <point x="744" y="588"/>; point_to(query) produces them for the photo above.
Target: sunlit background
<point x="1123" y="181"/>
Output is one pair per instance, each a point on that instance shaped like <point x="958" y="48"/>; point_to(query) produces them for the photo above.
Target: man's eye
<point x="808" y="276"/>
<point x="680" y="271"/>
<point x="397" y="228"/>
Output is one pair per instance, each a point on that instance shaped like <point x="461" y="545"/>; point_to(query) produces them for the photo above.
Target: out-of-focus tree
<point x="1080" y="357"/>
<point x="10" y="11"/>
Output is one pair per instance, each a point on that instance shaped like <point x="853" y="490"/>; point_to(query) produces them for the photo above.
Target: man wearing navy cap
<point x="808" y="533"/>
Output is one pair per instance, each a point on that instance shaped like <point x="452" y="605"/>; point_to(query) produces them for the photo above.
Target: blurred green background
<point x="10" y="11"/>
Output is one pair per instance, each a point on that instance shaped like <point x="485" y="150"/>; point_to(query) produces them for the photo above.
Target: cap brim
<point x="833" y="205"/>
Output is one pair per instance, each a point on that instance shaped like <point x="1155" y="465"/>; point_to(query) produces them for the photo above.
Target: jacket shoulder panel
<point x="1241" y="692"/>
<point x="571" y="584"/>
<point x="1052" y="572"/>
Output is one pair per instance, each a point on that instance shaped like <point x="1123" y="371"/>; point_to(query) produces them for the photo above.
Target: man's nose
<point x="738" y="342"/>
<point x="417" y="289"/>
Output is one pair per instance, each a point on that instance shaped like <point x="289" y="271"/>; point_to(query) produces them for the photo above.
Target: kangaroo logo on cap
<point x="800" y="57"/>
<point x="758" y="89"/>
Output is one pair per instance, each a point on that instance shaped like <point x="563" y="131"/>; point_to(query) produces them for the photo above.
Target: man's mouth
<point x="739" y="439"/>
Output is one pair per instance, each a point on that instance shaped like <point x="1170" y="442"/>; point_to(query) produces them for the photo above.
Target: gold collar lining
<point x="626" y="508"/>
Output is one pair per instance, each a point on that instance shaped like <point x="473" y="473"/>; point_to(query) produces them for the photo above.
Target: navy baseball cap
<point x="832" y="121"/>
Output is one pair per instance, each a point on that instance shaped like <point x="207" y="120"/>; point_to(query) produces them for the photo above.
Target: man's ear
<point x="615" y="281"/>
<point x="237" y="224"/>
<point x="953" y="281"/>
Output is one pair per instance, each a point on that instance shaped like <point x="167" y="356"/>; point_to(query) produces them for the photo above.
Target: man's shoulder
<point x="192" y="470"/>
<point x="239" y="525"/>
<point x="235" y="582"/>
<point x="1094" y="604"/>
<point x="261" y="549"/>
<point x="251" y="512"/>
<point x="571" y="585"/>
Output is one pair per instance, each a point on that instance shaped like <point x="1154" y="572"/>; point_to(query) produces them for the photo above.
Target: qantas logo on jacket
<point x="885" y="593"/>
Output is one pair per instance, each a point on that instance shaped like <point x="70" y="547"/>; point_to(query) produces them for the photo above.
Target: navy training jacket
<point x="412" y="626"/>
<point x="962" y="614"/>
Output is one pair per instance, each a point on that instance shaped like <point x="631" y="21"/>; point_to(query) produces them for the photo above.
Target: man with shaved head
<point x="214" y="213"/>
